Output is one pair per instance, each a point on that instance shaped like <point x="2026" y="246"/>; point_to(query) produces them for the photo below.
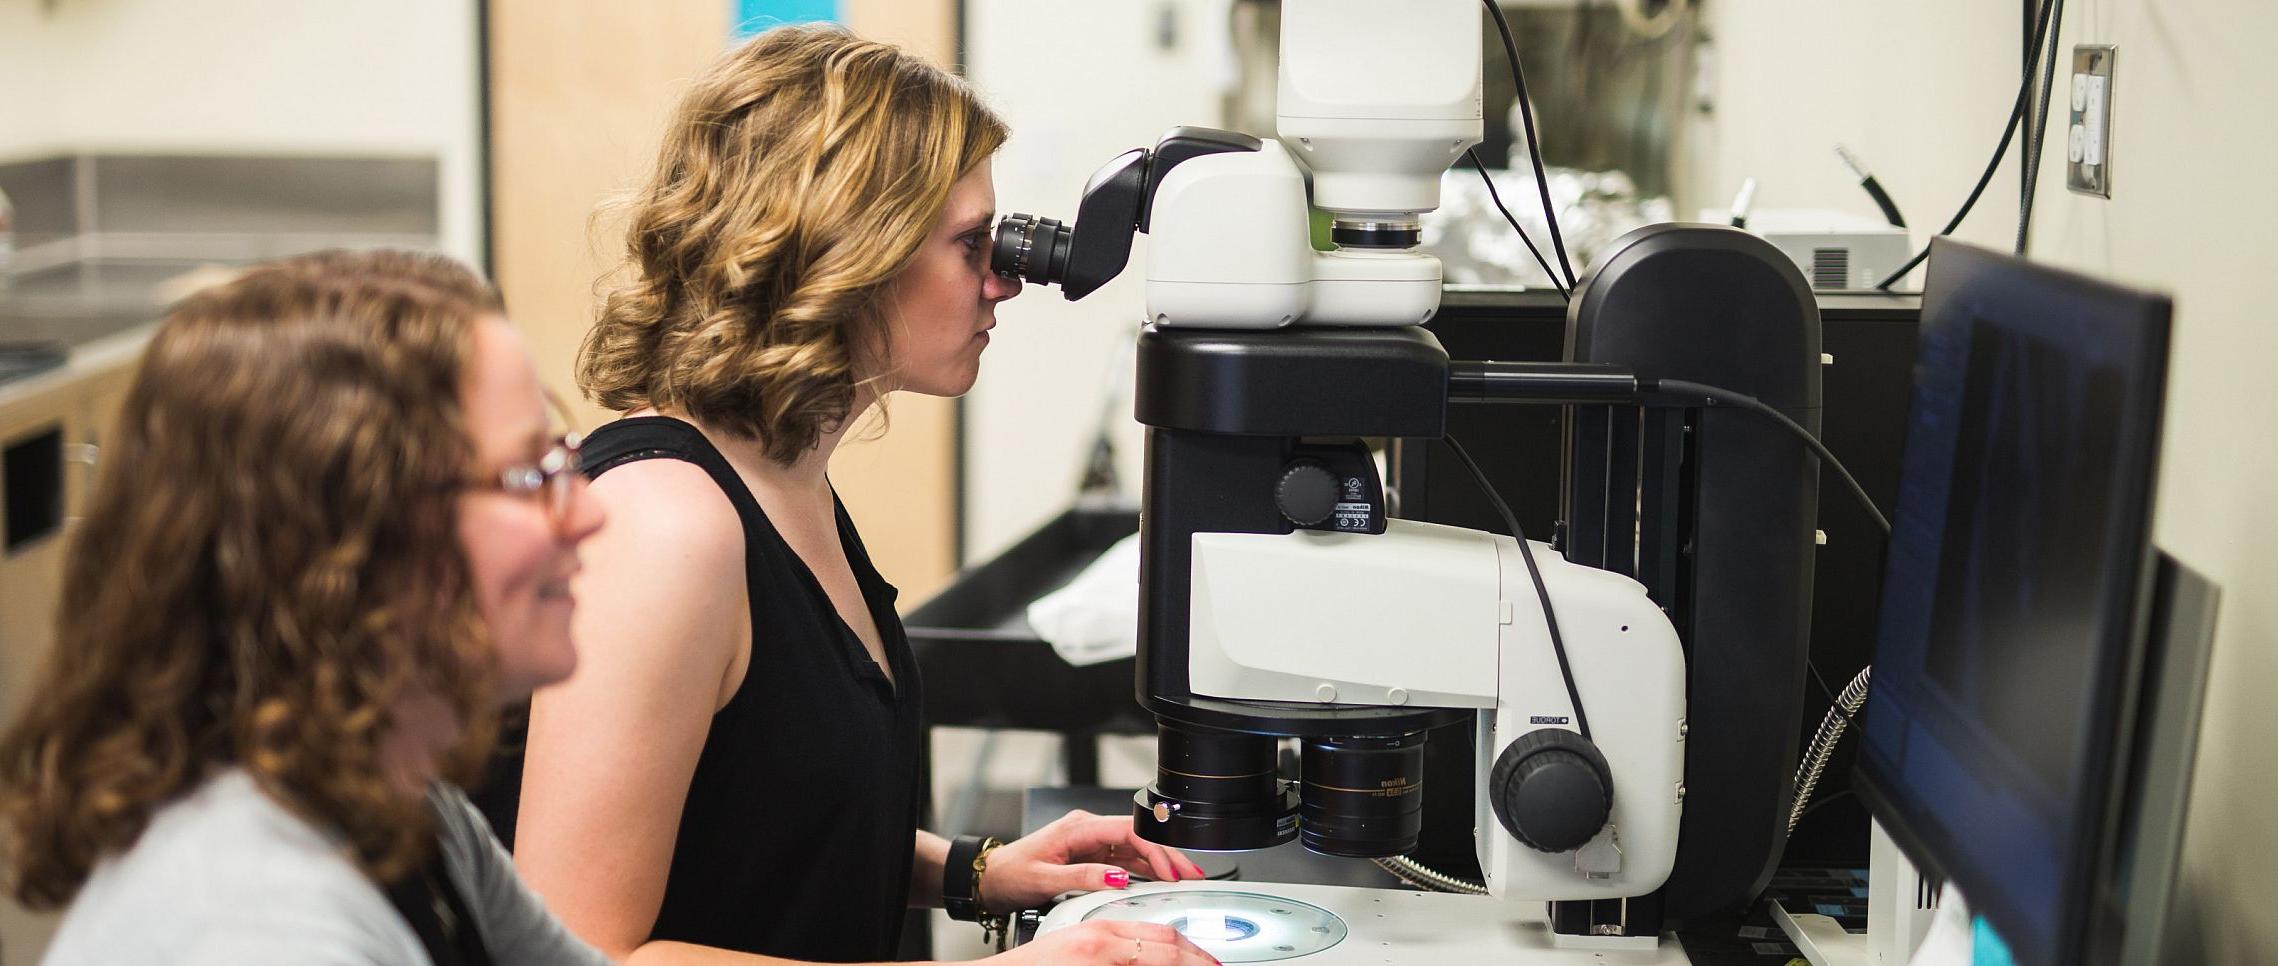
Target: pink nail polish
<point x="1118" y="879"/>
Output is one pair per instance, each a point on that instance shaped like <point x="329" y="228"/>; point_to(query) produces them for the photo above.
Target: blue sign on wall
<point x="753" y="16"/>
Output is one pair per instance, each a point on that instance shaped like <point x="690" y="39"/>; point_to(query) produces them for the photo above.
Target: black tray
<point x="983" y="664"/>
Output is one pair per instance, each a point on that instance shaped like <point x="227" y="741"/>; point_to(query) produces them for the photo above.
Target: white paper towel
<point x="1095" y="618"/>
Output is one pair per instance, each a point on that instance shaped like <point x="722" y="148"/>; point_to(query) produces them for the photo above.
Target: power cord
<point x="1542" y="592"/>
<point x="2016" y="116"/>
<point x="1534" y="146"/>
<point x="1497" y="198"/>
<point x="2040" y="130"/>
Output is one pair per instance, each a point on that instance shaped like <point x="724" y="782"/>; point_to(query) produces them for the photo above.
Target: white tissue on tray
<point x="1095" y="618"/>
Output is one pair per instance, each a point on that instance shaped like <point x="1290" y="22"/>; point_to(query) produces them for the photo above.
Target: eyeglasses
<point x="553" y="479"/>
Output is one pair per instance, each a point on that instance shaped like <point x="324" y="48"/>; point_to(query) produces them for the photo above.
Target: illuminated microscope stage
<point x="1267" y="922"/>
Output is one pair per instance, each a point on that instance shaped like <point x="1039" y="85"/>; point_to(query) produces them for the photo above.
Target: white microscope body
<point x="1432" y="615"/>
<point x="1441" y="616"/>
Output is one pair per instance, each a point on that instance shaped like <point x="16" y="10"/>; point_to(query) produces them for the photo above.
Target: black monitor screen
<point x="2011" y="603"/>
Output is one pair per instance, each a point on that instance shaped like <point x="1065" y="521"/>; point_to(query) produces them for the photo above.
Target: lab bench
<point x="1749" y="940"/>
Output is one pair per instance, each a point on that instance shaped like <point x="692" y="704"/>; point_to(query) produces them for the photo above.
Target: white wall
<point x="27" y="104"/>
<point x="1079" y="83"/>
<point x="1921" y="89"/>
<point x="251" y="76"/>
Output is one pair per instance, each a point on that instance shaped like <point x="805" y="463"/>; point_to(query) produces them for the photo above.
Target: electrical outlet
<point x="2088" y="142"/>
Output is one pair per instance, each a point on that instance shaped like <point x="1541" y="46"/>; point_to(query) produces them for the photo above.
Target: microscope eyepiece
<point x="1031" y="249"/>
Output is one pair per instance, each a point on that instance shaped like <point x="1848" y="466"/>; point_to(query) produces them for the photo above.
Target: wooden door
<point x="579" y="95"/>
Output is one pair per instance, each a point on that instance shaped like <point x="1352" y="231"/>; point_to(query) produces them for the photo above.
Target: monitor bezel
<point x="1952" y="296"/>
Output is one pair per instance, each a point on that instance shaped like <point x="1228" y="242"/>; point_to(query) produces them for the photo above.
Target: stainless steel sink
<point x="84" y="301"/>
<point x="96" y="278"/>
<point x="21" y="359"/>
<point x="93" y="287"/>
<point x="70" y="331"/>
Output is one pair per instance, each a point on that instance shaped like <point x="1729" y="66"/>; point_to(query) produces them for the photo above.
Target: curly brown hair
<point x="798" y="177"/>
<point x="269" y="562"/>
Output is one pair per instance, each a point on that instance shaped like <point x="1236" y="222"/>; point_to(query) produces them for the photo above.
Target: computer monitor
<point x="2014" y="597"/>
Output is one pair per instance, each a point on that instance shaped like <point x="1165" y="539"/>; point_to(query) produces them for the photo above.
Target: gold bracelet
<point x="997" y="930"/>
<point x="995" y="927"/>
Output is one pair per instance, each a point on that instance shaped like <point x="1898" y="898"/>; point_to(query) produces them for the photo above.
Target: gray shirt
<point x="226" y="875"/>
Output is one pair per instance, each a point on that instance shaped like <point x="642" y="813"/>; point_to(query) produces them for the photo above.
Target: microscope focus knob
<point x="1307" y="494"/>
<point x="1551" y="789"/>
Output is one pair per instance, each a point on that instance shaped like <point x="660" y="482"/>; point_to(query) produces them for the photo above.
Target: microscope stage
<point x="1339" y="925"/>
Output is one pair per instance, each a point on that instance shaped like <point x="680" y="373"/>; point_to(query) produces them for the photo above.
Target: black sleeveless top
<point x="796" y="837"/>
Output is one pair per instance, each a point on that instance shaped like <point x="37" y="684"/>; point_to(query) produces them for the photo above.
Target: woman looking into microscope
<point x="735" y="769"/>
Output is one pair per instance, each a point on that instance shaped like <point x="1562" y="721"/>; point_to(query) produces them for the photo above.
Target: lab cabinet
<point x="50" y="427"/>
<point x="50" y="433"/>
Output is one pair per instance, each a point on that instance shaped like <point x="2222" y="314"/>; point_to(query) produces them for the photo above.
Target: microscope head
<point x="1378" y="100"/>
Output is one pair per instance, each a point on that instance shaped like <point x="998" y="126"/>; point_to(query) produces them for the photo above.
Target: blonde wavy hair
<point x="798" y="177"/>
<point x="269" y="562"/>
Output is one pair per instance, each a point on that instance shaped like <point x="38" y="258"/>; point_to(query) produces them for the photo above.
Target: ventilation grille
<point x="1831" y="268"/>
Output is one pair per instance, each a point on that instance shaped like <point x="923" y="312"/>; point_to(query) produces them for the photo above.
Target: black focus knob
<point x="1307" y="494"/>
<point x="1551" y="789"/>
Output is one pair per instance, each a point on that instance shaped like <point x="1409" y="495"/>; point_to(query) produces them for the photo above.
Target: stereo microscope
<point x="1634" y="684"/>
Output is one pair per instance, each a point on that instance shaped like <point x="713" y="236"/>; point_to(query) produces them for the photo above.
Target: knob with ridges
<point x="1307" y="494"/>
<point x="1551" y="789"/>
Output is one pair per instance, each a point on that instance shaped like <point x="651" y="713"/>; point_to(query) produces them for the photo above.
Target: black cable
<point x="1534" y="146"/>
<point x="1873" y="186"/>
<point x="2029" y="13"/>
<point x="1833" y="701"/>
<point x="1883" y="201"/>
<point x="2040" y="130"/>
<point x="1709" y="395"/>
<point x="1498" y="199"/>
<point x="1549" y="615"/>
<point x="2008" y="133"/>
<point x="1713" y="395"/>
<point x="1830" y="799"/>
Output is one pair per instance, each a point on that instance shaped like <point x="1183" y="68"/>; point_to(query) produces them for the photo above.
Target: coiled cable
<point x="1414" y="872"/>
<point x="1822" y="748"/>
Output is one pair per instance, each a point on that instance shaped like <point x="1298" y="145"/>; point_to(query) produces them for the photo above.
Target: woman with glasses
<point x="332" y="535"/>
<point x="736" y="768"/>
